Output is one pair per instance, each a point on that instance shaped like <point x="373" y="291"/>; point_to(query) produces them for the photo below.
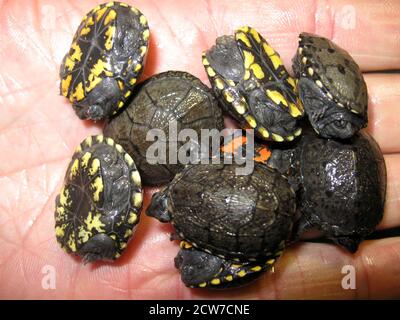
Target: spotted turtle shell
<point x="341" y="185"/>
<point x="234" y="216"/>
<point x="169" y="96"/>
<point x="105" y="60"/>
<point x="252" y="84"/>
<point x="101" y="194"/>
<point x="339" y="76"/>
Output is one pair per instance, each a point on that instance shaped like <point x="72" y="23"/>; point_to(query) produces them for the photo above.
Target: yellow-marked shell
<point x="253" y="86"/>
<point x="99" y="204"/>
<point x="105" y="60"/>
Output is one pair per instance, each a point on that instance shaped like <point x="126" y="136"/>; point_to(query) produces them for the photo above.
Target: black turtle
<point x="99" y="204"/>
<point x="242" y="218"/>
<point x="331" y="87"/>
<point x="253" y="86"/>
<point x="105" y="60"/>
<point x="340" y="185"/>
<point x="171" y="102"/>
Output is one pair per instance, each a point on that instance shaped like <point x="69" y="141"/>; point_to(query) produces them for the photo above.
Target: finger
<point x="383" y="115"/>
<point x="370" y="32"/>
<point x="391" y="216"/>
<point x="314" y="271"/>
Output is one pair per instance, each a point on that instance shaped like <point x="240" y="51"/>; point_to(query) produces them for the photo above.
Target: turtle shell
<point x="105" y="60"/>
<point x="235" y="216"/>
<point x="252" y="84"/>
<point x="169" y="102"/>
<point x="100" y="201"/>
<point x="341" y="185"/>
<point x="331" y="86"/>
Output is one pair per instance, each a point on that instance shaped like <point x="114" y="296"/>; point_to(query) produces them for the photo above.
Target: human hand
<point x="39" y="132"/>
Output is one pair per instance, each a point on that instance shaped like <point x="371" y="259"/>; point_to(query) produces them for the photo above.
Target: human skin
<point x="39" y="132"/>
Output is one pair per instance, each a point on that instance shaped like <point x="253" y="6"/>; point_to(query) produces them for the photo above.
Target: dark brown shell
<point x="236" y="216"/>
<point x="172" y="95"/>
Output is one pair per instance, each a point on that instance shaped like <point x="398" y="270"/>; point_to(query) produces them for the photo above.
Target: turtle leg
<point x="98" y="247"/>
<point x="350" y="243"/>
<point x="200" y="269"/>
<point x="158" y="207"/>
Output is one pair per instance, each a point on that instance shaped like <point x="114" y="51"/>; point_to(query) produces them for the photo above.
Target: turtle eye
<point x="341" y="124"/>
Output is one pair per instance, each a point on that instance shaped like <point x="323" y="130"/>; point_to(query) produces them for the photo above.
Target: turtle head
<point x="328" y="119"/>
<point x="100" y="102"/>
<point x="158" y="207"/>
<point x="98" y="247"/>
<point x="197" y="266"/>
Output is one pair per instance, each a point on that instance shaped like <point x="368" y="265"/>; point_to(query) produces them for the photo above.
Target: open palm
<point x="39" y="132"/>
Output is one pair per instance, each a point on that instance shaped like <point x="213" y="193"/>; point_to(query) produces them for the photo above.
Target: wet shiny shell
<point x="101" y="195"/>
<point x="235" y="216"/>
<point x="105" y="60"/>
<point x="341" y="185"/>
<point x="164" y="98"/>
<point x="253" y="85"/>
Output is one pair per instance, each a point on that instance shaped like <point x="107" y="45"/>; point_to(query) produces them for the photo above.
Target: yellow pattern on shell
<point x="65" y="201"/>
<point x="241" y="273"/>
<point x="256" y="268"/>
<point x="202" y="285"/>
<point x="110" y="17"/>
<point x="60" y="231"/>
<point x="100" y="13"/>
<point x="277" y="97"/>
<point x="251" y="121"/>
<point x="78" y="93"/>
<point x="71" y="242"/>
<point x="65" y="83"/>
<point x="229" y="278"/>
<point x="128" y="233"/>
<point x="85" y="159"/>
<point x="255" y="35"/>
<point x="143" y="20"/>
<point x="132" y="217"/>
<point x="94" y="222"/>
<point x="215" y="281"/>
<point x="135" y="177"/>
<point x="257" y="71"/>
<point x="98" y="187"/>
<point x="108" y="44"/>
<point x="228" y="96"/>
<point x="277" y="137"/>
<point x="242" y="36"/>
<point x="146" y="34"/>
<point x="83" y="234"/>
<point x="132" y="81"/>
<point x="74" y="169"/>
<point x="248" y="59"/>
<point x="95" y="167"/>
<point x="294" y="111"/>
<point x="137" y="200"/>
<point x="264" y="132"/>
<point x="268" y="49"/>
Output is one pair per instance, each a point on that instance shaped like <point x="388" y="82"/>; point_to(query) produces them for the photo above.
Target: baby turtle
<point x="242" y="218"/>
<point x="99" y="204"/>
<point x="252" y="84"/>
<point x="340" y="185"/>
<point x="105" y="60"/>
<point x="331" y="87"/>
<point x="164" y="105"/>
<point x="200" y="269"/>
